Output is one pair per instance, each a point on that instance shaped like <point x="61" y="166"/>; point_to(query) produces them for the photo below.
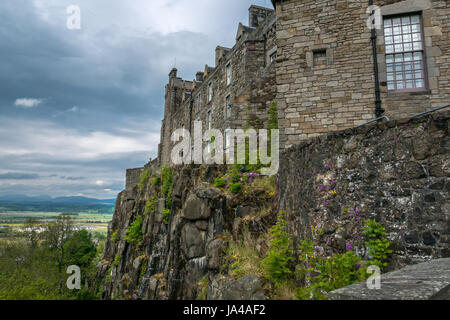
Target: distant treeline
<point x="99" y="208"/>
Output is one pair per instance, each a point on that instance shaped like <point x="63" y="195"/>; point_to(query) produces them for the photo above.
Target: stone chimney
<point x="257" y="15"/>
<point x="199" y="77"/>
<point x="173" y="73"/>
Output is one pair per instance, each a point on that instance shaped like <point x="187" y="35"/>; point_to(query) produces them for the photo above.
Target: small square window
<point x="320" y="58"/>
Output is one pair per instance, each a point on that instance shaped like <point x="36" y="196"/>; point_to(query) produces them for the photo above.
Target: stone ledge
<point x="424" y="281"/>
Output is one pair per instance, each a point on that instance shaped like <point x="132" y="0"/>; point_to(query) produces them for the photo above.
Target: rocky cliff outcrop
<point x="173" y="258"/>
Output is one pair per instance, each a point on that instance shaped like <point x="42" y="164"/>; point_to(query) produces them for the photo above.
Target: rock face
<point x="397" y="173"/>
<point x="246" y="288"/>
<point x="172" y="259"/>
<point x="424" y="281"/>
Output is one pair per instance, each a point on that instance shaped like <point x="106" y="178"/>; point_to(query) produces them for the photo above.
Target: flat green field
<point x="92" y="221"/>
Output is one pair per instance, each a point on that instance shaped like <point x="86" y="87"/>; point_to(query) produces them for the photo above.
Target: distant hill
<point x="44" y="203"/>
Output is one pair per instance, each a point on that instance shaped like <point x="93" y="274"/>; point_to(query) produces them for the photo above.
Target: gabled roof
<point x="242" y="29"/>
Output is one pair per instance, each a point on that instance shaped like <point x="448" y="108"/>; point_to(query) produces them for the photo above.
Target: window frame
<point x="229" y="73"/>
<point x="199" y="102"/>
<point x="423" y="61"/>
<point x="210" y="91"/>
<point x="209" y="125"/>
<point x="274" y="54"/>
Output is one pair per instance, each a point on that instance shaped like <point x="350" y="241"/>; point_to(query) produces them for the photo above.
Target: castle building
<point x="328" y="64"/>
<point x="334" y="72"/>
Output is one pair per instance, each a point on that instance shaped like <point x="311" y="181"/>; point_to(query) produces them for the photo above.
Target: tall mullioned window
<point x="229" y="72"/>
<point x="199" y="102"/>
<point x="209" y="125"/>
<point x="210" y="91"/>
<point x="405" y="65"/>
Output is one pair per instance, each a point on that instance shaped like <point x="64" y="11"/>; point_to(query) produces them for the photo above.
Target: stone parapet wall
<point x="396" y="172"/>
<point x="133" y="177"/>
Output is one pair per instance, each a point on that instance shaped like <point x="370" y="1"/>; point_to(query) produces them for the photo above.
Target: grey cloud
<point x="18" y="176"/>
<point x="113" y="70"/>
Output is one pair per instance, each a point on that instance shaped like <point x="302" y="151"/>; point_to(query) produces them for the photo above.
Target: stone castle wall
<point x="397" y="173"/>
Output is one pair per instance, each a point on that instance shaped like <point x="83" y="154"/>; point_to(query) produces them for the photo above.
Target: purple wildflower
<point x="356" y="212"/>
<point x="322" y="187"/>
<point x="325" y="203"/>
<point x="348" y="246"/>
<point x="333" y="183"/>
<point x="358" y="266"/>
<point x="327" y="166"/>
<point x="227" y="186"/>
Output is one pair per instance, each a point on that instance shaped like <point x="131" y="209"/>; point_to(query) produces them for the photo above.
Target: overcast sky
<point x="78" y="107"/>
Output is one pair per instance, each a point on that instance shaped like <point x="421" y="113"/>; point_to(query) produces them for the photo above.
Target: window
<point x="228" y="70"/>
<point x="405" y="67"/>
<point x="181" y="152"/>
<point x="320" y="58"/>
<point x="199" y="102"/>
<point x="210" y="91"/>
<point x="273" y="57"/>
<point x="228" y="107"/>
<point x="209" y="125"/>
<point x="208" y="120"/>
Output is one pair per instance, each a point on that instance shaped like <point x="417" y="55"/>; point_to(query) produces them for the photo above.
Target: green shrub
<point x="273" y="117"/>
<point x="326" y="274"/>
<point x="235" y="178"/>
<point x="167" y="185"/>
<point x="203" y="286"/>
<point x="150" y="205"/>
<point x="116" y="260"/>
<point x="236" y="187"/>
<point x="166" y="216"/>
<point x="143" y="271"/>
<point x="115" y="236"/>
<point x="220" y="182"/>
<point x="377" y="243"/>
<point x="156" y="181"/>
<point x="134" y="232"/>
<point x="242" y="257"/>
<point x="144" y="178"/>
<point x="280" y="252"/>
